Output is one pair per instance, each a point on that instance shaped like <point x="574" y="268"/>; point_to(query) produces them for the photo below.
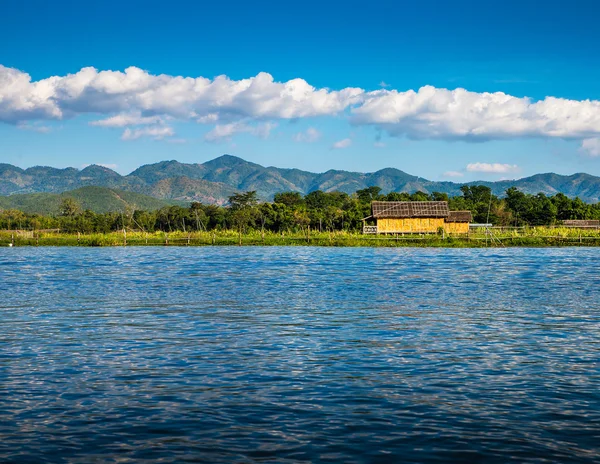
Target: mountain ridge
<point x="215" y="180"/>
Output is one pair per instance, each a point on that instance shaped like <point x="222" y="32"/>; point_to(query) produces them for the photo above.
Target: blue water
<point x="299" y="355"/>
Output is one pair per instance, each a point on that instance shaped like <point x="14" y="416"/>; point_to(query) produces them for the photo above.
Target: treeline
<point x="291" y="211"/>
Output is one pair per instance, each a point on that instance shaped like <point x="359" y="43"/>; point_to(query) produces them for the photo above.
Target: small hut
<point x="458" y="222"/>
<point x="423" y="217"/>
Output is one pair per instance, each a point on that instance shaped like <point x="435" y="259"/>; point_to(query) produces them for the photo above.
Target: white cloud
<point x="135" y="97"/>
<point x="492" y="168"/>
<point x="155" y="132"/>
<point x="34" y="127"/>
<point x="432" y="113"/>
<point x="226" y="131"/>
<point x="591" y="147"/>
<point x="453" y="174"/>
<point x="345" y="143"/>
<point x="135" y="90"/>
<point x="384" y="84"/>
<point x="310" y="135"/>
<point x="379" y="144"/>
<point x="127" y="119"/>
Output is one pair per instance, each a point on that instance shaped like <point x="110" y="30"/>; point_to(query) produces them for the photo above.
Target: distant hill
<point x="215" y="180"/>
<point x="97" y="199"/>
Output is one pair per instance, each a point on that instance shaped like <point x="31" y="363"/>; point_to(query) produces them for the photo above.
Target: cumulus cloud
<point x="492" y="168"/>
<point x="134" y="97"/>
<point x="453" y="174"/>
<point x="135" y="90"/>
<point x="226" y="131"/>
<point x="345" y="143"/>
<point x="591" y="147"/>
<point x="154" y="132"/>
<point x="432" y="113"/>
<point x="310" y="135"/>
<point x="127" y="119"/>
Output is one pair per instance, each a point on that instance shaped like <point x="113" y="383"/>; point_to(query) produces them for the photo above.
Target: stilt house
<point x="392" y="217"/>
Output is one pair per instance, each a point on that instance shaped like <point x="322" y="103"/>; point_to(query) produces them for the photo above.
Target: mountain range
<point x="97" y="199"/>
<point x="214" y="181"/>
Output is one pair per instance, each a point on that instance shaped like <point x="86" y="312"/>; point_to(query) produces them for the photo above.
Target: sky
<point x="460" y="90"/>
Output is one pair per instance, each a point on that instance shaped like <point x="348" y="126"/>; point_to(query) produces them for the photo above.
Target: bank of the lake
<point x="507" y="237"/>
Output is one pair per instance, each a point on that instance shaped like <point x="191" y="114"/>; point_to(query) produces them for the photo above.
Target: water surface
<point x="299" y="355"/>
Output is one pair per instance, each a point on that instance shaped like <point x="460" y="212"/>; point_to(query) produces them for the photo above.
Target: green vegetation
<point x="96" y="199"/>
<point x="531" y="237"/>
<point x="318" y="218"/>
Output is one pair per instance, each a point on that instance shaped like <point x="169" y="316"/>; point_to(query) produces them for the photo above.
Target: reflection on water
<point x="299" y="354"/>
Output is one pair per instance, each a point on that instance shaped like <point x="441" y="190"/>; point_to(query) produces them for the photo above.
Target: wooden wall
<point x="420" y="225"/>
<point x="409" y="225"/>
<point x="456" y="227"/>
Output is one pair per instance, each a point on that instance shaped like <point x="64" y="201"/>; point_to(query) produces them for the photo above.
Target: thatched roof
<point x="410" y="209"/>
<point x="459" y="216"/>
<point x="581" y="223"/>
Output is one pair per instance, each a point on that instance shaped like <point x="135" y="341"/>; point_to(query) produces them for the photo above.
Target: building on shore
<point x="582" y="223"/>
<point x="458" y="222"/>
<point x="415" y="217"/>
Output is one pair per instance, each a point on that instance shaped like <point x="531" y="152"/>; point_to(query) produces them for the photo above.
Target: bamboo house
<point x="423" y="217"/>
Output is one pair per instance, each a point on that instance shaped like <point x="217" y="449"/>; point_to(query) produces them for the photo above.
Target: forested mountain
<point x="215" y="180"/>
<point x="96" y="199"/>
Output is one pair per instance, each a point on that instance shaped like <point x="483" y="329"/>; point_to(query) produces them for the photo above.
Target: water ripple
<point x="299" y="355"/>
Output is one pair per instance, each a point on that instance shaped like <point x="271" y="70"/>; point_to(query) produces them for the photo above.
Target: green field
<point x="531" y="236"/>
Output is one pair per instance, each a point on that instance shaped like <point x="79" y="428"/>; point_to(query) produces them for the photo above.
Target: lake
<point x="299" y="355"/>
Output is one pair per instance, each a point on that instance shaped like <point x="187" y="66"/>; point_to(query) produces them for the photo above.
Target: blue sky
<point x="383" y="49"/>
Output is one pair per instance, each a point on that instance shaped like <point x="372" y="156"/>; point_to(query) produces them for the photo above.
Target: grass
<point x="530" y="237"/>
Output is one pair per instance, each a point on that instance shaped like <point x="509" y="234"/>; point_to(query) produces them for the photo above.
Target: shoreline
<point x="535" y="237"/>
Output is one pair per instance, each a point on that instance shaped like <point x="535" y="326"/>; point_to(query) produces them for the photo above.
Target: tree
<point x="291" y="199"/>
<point x="369" y="194"/>
<point x="419" y="196"/>
<point x="243" y="200"/>
<point x="438" y="196"/>
<point x="397" y="196"/>
<point x="69" y="207"/>
<point x="302" y="220"/>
